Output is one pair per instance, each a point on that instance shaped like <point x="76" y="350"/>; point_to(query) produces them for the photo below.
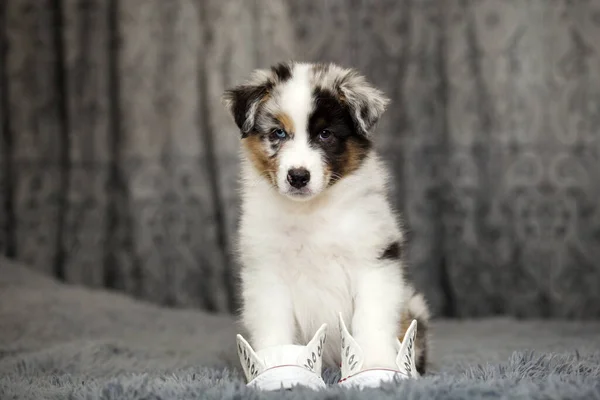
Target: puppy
<point x="317" y="235"/>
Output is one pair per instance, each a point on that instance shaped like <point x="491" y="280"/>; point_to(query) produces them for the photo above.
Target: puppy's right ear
<point x="243" y="101"/>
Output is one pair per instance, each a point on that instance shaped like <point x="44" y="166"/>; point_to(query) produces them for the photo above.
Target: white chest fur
<point x="315" y="271"/>
<point x="314" y="251"/>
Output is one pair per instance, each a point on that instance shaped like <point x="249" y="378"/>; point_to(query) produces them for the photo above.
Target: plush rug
<point x="67" y="342"/>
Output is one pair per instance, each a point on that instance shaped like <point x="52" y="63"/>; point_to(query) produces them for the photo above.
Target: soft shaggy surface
<point x="59" y="341"/>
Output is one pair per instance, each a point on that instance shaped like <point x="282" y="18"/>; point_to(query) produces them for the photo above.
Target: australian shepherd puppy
<point x="317" y="235"/>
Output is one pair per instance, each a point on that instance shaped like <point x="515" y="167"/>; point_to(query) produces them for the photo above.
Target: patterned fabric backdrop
<point x="119" y="164"/>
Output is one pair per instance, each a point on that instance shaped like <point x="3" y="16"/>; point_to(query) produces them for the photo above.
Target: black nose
<point x="298" y="177"/>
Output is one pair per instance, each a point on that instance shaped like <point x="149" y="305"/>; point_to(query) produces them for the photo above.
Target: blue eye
<point x="278" y="134"/>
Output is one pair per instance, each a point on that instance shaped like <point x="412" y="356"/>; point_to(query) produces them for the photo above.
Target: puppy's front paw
<point x="365" y="350"/>
<point x="377" y="354"/>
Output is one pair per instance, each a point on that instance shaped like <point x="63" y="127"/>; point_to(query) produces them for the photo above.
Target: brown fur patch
<point x="353" y="157"/>
<point x="286" y="122"/>
<point x="265" y="165"/>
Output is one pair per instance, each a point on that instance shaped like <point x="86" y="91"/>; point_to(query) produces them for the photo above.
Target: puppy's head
<point x="305" y="126"/>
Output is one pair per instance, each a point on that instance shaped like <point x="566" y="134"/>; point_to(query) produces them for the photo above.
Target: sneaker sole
<point x="287" y="377"/>
<point x="372" y="378"/>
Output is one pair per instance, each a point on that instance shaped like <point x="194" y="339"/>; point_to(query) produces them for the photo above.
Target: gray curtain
<point x="119" y="164"/>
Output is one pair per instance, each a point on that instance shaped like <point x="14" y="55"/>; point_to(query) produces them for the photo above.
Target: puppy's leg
<point x="267" y="309"/>
<point x="376" y="320"/>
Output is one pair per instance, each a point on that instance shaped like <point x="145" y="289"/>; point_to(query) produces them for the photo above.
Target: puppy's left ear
<point x="366" y="102"/>
<point x="243" y="101"/>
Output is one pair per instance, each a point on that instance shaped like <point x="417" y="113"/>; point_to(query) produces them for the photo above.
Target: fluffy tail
<point x="416" y="308"/>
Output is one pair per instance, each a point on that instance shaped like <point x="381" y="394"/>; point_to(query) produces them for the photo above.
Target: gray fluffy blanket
<point x="59" y="341"/>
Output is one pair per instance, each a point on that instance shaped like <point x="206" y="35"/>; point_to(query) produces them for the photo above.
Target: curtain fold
<point x="119" y="165"/>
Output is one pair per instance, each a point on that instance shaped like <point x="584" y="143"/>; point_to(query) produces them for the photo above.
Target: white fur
<point x="294" y="98"/>
<point x="303" y="262"/>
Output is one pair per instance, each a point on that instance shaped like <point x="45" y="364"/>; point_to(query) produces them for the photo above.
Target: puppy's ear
<point x="366" y="103"/>
<point x="243" y="101"/>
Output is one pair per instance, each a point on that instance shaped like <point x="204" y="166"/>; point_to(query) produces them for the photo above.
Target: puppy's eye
<point x="325" y="135"/>
<point x="278" y="134"/>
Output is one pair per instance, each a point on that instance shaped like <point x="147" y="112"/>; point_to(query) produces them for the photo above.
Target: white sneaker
<point x="283" y="367"/>
<point x="352" y="361"/>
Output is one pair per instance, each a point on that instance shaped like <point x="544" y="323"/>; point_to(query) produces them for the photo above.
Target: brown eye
<point x="325" y="135"/>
